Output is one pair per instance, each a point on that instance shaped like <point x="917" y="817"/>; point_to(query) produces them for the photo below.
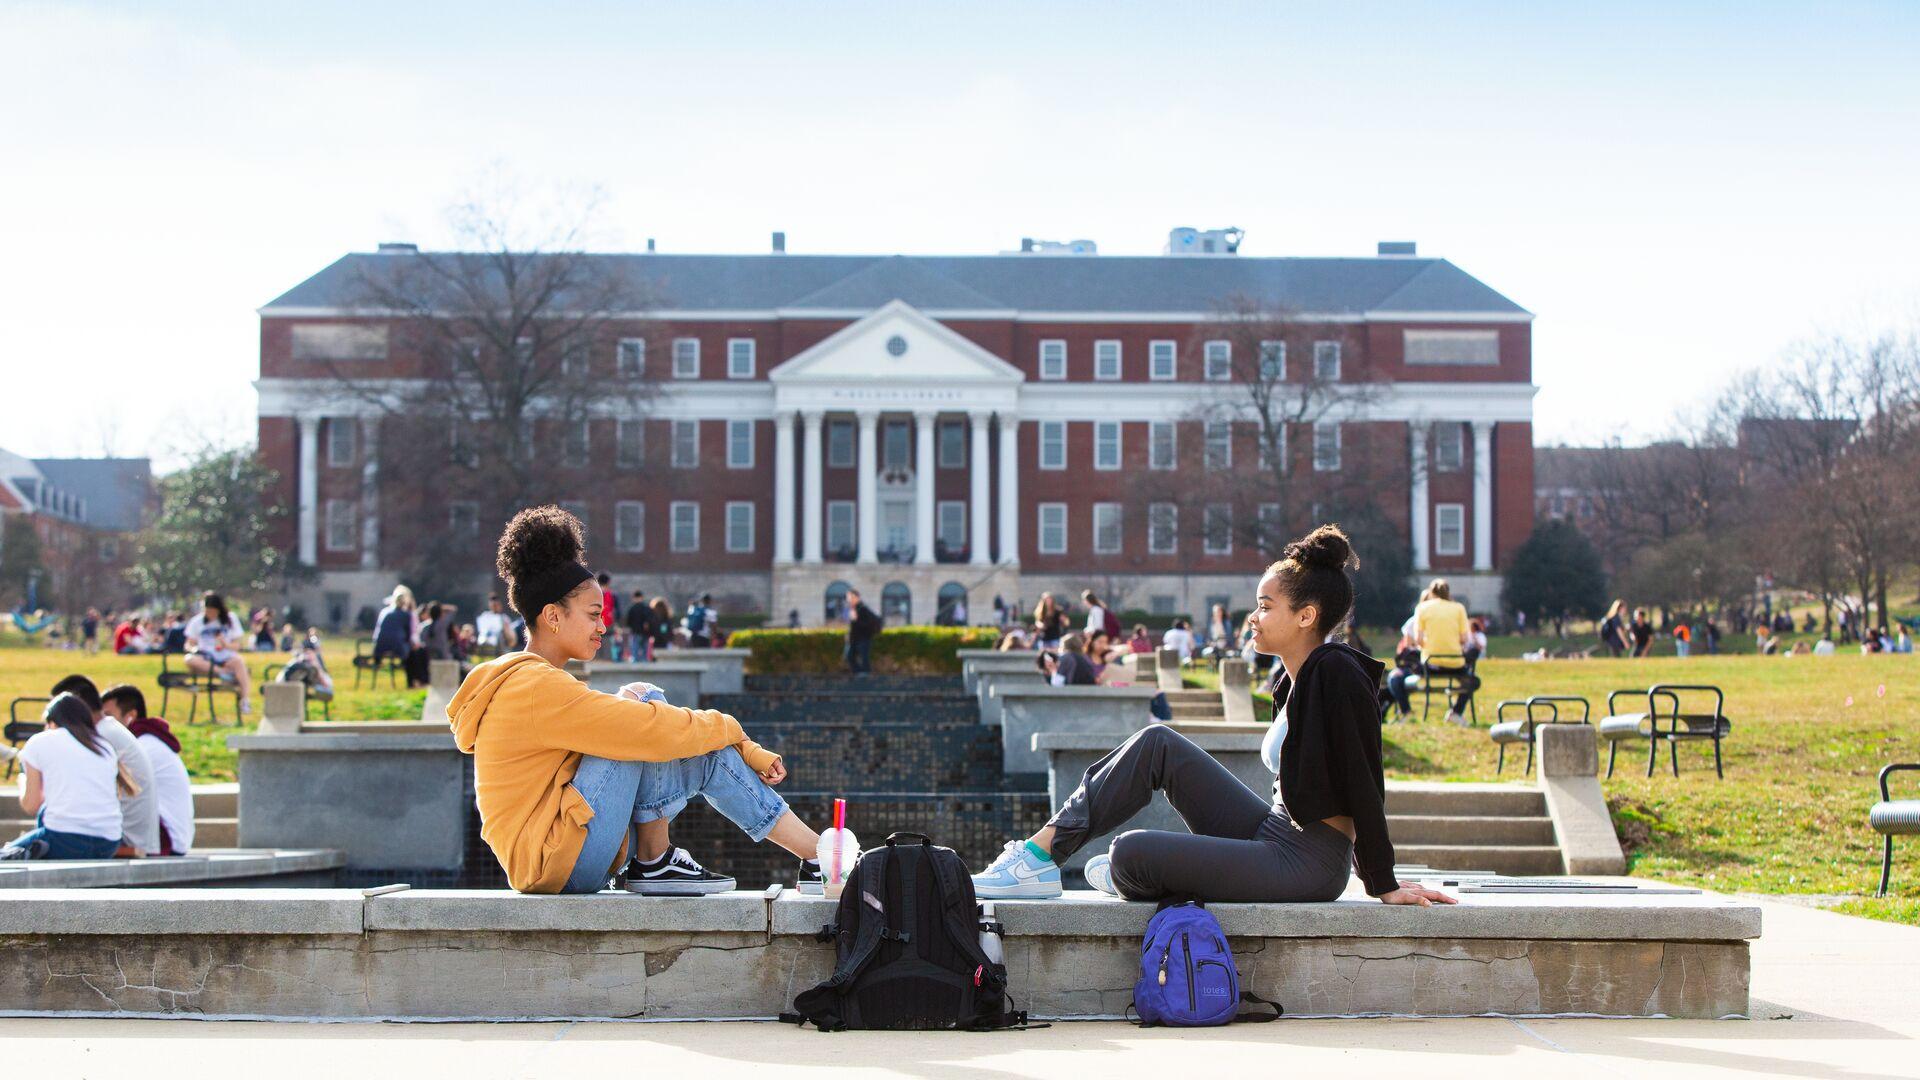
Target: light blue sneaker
<point x="1099" y="874"/>
<point x="1017" y="875"/>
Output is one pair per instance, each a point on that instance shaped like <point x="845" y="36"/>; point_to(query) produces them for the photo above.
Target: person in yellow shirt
<point x="1443" y="633"/>
<point x="563" y="773"/>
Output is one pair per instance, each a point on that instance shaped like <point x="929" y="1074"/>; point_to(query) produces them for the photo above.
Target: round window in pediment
<point x="896" y="346"/>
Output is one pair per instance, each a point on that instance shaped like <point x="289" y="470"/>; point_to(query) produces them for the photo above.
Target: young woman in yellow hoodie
<point x="562" y="772"/>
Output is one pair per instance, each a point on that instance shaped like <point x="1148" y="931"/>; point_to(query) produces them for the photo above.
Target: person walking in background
<point x="1682" y="640"/>
<point x="262" y="623"/>
<point x="1219" y="629"/>
<point x="1049" y="622"/>
<point x="1642" y="632"/>
<point x="862" y="625"/>
<point x="640" y="627"/>
<point x="68" y="783"/>
<point x="90" y="631"/>
<point x="1613" y="630"/>
<point x="699" y="623"/>
<point x="662" y="624"/>
<point x="172" y="790"/>
<point x="396" y="627"/>
<point x="493" y="630"/>
<point x="1100" y="618"/>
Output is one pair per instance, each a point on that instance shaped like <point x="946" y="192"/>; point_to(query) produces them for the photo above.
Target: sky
<point x="1676" y="195"/>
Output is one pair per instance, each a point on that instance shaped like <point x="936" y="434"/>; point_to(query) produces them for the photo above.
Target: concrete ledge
<point x="312" y="738"/>
<point x="246" y="912"/>
<point x="203" y="865"/>
<point x="1025" y="711"/>
<point x="495" y="910"/>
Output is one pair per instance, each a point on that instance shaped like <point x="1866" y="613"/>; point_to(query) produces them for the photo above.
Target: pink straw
<point x="839" y="828"/>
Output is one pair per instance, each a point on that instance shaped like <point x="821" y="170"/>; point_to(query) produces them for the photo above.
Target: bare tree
<point x="509" y="345"/>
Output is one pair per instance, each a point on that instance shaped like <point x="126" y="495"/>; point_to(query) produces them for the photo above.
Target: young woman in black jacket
<point x="1327" y="817"/>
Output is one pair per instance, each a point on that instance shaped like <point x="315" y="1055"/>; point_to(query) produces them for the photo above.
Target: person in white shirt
<point x="1823" y="647"/>
<point x="1180" y="639"/>
<point x="492" y="628"/>
<point x="172" y="790"/>
<point x="68" y="781"/>
<point x="140" y="827"/>
<point x="214" y="637"/>
<point x="1096" y="613"/>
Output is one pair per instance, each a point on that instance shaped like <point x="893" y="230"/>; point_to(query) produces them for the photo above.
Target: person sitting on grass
<point x="213" y="639"/>
<point x="564" y="773"/>
<point x="68" y="779"/>
<point x="1328" y="816"/>
<point x="172" y="790"/>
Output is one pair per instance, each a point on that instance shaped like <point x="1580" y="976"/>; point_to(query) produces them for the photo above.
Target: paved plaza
<point x="1832" y="996"/>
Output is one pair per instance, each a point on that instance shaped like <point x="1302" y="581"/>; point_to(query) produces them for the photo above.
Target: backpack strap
<point x="1248" y="997"/>
<point x="909" y="908"/>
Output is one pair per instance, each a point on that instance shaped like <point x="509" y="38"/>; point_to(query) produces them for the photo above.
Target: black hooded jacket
<point x="1330" y="761"/>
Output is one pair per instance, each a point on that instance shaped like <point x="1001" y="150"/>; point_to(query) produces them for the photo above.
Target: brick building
<point x="927" y="427"/>
<point x="83" y="511"/>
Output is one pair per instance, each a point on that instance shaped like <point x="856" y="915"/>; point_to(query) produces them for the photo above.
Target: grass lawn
<point x="1809" y="736"/>
<point x="30" y="672"/>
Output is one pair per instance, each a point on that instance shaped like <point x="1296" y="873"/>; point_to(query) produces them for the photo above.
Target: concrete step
<point x="1516" y="860"/>
<point x="209" y="800"/>
<point x="1468" y="831"/>
<point x="1465" y="800"/>
<point x="1198" y="697"/>
<point x="1197" y="712"/>
<point x="221" y="832"/>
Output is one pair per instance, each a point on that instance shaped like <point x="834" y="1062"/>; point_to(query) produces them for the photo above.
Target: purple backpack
<point x="1187" y="977"/>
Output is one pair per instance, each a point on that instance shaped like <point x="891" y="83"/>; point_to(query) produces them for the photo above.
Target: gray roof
<point x="117" y="490"/>
<point x="1028" y="283"/>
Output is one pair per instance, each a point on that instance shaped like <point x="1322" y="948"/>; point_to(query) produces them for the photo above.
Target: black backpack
<point x="907" y="938"/>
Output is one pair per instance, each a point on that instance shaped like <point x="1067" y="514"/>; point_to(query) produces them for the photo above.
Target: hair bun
<point x="538" y="539"/>
<point x="1325" y="548"/>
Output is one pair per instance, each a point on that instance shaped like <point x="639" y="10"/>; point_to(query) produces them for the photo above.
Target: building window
<point x="573" y="360"/>
<point x="1053" y="444"/>
<point x="1273" y="447"/>
<point x="840" y="525"/>
<point x="895" y="443"/>
<point x="1162" y="603"/>
<point x="630" y="358"/>
<point x="632" y="438"/>
<point x="1273" y="361"/>
<point x="1160" y="444"/>
<point x="739" y="527"/>
<point x="630" y="526"/>
<point x="1326" y="446"/>
<point x="1326" y="361"/>
<point x="840" y="444"/>
<point x="685" y="519"/>
<point x="1219" y="360"/>
<point x="1163" y="528"/>
<point x="1453" y="347"/>
<point x="1270" y="538"/>
<point x="686" y="444"/>
<point x="1053" y="359"/>
<point x="1106" y="528"/>
<point x="1053" y="528"/>
<point x="836" y="598"/>
<point x="1449" y="529"/>
<point x="1219" y="444"/>
<point x="740" y="358"/>
<point x="578" y="446"/>
<point x="739" y="444"/>
<point x="1217" y="526"/>
<point x="339" y="341"/>
<point x="1160" y="359"/>
<point x="1106" y="444"/>
<point x="460" y="448"/>
<point x="343" y="438"/>
<point x="951" y="525"/>
<point x="896" y="602"/>
<point x="1106" y="360"/>
<point x="953" y="445"/>
<point x="343" y="529"/>
<point x="463" y="519"/>
<point x="1449" y="447"/>
<point x="686" y="358"/>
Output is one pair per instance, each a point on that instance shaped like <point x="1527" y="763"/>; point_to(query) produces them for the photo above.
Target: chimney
<point x="398" y="247"/>
<point x="1026" y="243"/>
<point x="1396" y="247"/>
<point x="649" y="245"/>
<point x="779" y="243"/>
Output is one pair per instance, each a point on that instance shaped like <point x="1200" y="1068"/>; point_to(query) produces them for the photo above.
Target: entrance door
<point x="896" y="527"/>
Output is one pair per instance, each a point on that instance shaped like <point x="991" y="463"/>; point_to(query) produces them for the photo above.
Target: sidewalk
<point x="1833" y="996"/>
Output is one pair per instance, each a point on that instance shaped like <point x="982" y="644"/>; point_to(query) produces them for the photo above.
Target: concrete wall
<point x="387" y="800"/>
<point x="1111" y="712"/>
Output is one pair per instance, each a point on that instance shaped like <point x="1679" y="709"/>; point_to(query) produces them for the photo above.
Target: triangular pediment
<point x="897" y="343"/>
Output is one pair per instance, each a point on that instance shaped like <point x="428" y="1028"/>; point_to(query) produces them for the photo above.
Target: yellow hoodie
<point x="528" y="724"/>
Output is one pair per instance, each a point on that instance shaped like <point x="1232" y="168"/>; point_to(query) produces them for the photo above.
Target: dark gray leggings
<point x="1241" y="848"/>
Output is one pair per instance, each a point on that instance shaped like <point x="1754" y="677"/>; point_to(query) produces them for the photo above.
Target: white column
<point x="1418" y="513"/>
<point x="812" y="510"/>
<point x="309" y="488"/>
<point x="1009" y="489"/>
<point x="868" y="467"/>
<point x="782" y="487"/>
<point x="978" y="511"/>
<point x="369" y="493"/>
<point x="1483" y="494"/>
<point x="923" y="488"/>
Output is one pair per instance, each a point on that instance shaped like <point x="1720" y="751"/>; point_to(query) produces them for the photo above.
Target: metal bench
<point x="19" y="731"/>
<point x="1449" y="680"/>
<point x="1506" y="732"/>
<point x="1666" y="720"/>
<point x="1891" y="818"/>
<point x="364" y="660"/>
<point x="195" y="686"/>
<point x="325" y="700"/>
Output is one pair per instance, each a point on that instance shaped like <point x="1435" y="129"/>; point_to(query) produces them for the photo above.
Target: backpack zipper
<point x="1163" y="961"/>
<point x="1186" y="946"/>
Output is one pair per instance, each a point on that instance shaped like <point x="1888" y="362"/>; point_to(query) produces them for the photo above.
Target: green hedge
<point x="906" y="650"/>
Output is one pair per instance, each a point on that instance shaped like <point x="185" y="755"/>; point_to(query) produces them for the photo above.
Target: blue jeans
<point x="859" y="655"/>
<point x="67" y="845"/>
<point x="625" y="793"/>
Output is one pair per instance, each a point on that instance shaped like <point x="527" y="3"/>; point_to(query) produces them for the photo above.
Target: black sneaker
<point x="809" y="881"/>
<point x="674" y="874"/>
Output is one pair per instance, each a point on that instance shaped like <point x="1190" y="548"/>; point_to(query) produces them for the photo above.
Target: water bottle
<point x="990" y="935"/>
